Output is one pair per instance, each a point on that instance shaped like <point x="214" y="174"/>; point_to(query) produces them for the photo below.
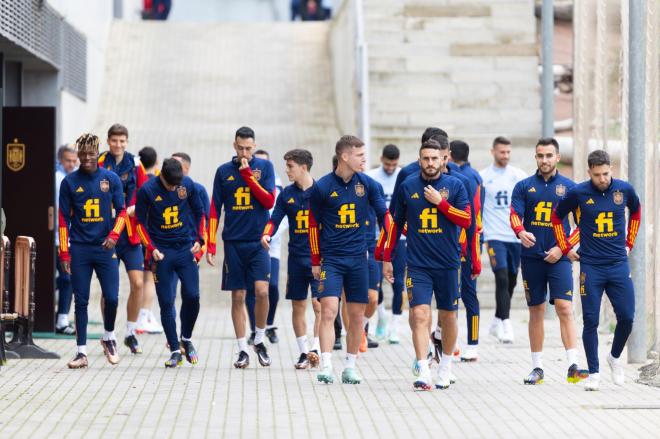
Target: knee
<point x="111" y="302"/>
<point x="590" y="320"/>
<point x="328" y="314"/>
<point x="564" y="309"/>
<point x="418" y="317"/>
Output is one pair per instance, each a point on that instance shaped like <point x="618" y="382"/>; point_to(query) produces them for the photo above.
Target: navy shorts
<point x="504" y="255"/>
<point x="299" y="279"/>
<point x="375" y="272"/>
<point x="350" y="273"/>
<point x="538" y="275"/>
<point x="245" y="262"/>
<point x="131" y="255"/>
<point x="422" y="284"/>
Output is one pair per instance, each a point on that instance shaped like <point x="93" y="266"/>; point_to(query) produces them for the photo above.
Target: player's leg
<point x="471" y="303"/>
<point x="560" y="281"/>
<point x="445" y="286"/>
<point x="535" y="283"/>
<point x="136" y="280"/>
<point x="399" y="269"/>
<point x="235" y="279"/>
<point x="147" y="321"/>
<point x="315" y="353"/>
<point x="356" y="287"/>
<point x="497" y="256"/>
<point x="107" y="270"/>
<point x="375" y="276"/>
<point x="381" y="328"/>
<point x="81" y="277"/>
<point x="188" y="271"/>
<point x="592" y="284"/>
<point x="250" y="302"/>
<point x="330" y="287"/>
<point x="64" y="292"/>
<point x="258" y="264"/>
<point x="513" y="262"/>
<point x="164" y="278"/>
<point x="273" y="299"/>
<point x="621" y="293"/>
<point x="297" y="284"/>
<point x="420" y="290"/>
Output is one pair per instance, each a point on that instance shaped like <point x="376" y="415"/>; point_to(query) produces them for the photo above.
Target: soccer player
<point x="339" y="207"/>
<point x="275" y="253"/>
<point x="67" y="158"/>
<point x="503" y="245"/>
<point x="87" y="198"/>
<point x="146" y="319"/>
<point x="471" y="258"/>
<point x="245" y="186"/>
<point x="122" y="163"/>
<point x="601" y="203"/>
<point x="386" y="174"/>
<point x="293" y="204"/>
<point x="542" y="263"/>
<point x="165" y="208"/>
<point x="435" y="207"/>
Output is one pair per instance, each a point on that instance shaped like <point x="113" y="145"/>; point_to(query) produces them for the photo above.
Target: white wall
<point x="93" y="19"/>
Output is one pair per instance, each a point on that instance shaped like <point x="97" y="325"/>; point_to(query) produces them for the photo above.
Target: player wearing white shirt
<point x="386" y="175"/>
<point x="503" y="246"/>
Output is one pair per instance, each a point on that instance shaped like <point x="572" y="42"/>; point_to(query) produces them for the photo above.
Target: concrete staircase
<point x="469" y="67"/>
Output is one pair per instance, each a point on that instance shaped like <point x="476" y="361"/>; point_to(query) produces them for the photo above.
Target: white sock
<point x="349" y="362"/>
<point x="62" y="320"/>
<point x="438" y="333"/>
<point x="184" y="338"/>
<point x="382" y="314"/>
<point x="109" y="335"/>
<point x="394" y="324"/>
<point x="326" y="359"/>
<point x="152" y="316"/>
<point x="270" y="326"/>
<point x="143" y="316"/>
<point x="242" y="344"/>
<point x="537" y="360"/>
<point x="82" y="350"/>
<point x="302" y="344"/>
<point x="130" y="328"/>
<point x="571" y="356"/>
<point x="175" y="352"/>
<point x="445" y="361"/>
<point x="259" y="335"/>
<point x="423" y="367"/>
<point x="317" y="344"/>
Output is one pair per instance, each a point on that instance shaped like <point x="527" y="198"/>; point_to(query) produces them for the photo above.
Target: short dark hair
<point x="172" y="171"/>
<point x="501" y="140"/>
<point x="300" y="157"/>
<point x="598" y="158"/>
<point x="64" y="149"/>
<point x="262" y="152"/>
<point x="183" y="156"/>
<point x="148" y="156"/>
<point x="244" y="133"/>
<point x="335" y="162"/>
<point x="433" y="131"/>
<point x="347" y="142"/>
<point x="441" y="139"/>
<point x="545" y="141"/>
<point x="117" y="130"/>
<point x="459" y="151"/>
<point x="433" y="144"/>
<point x="391" y="152"/>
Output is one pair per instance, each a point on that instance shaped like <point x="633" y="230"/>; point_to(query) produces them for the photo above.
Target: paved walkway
<point x="140" y="398"/>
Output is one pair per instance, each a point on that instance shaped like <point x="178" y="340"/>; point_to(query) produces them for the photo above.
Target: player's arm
<point x="214" y="215"/>
<point x="477" y="208"/>
<point x="398" y="225"/>
<point x="314" y="219"/>
<point x="199" y="215"/>
<point x="634" y="219"/>
<point x="121" y="217"/>
<point x="142" y="206"/>
<point x="274" y="222"/>
<point x="566" y="205"/>
<point x="385" y="220"/>
<point x="459" y="213"/>
<point x="64" y="217"/>
<point x="265" y="194"/>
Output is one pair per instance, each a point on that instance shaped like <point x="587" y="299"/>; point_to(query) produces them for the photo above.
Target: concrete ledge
<point x="460" y="49"/>
<point x="455" y="10"/>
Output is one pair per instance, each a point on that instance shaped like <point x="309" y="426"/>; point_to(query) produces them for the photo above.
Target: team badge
<point x="257" y="174"/>
<point x="560" y="190"/>
<point x="359" y="190"/>
<point x="124" y="176"/>
<point x="15" y="156"/>
<point x="583" y="277"/>
<point x="182" y="192"/>
<point x="444" y="192"/>
<point x="105" y="185"/>
<point x="617" y="196"/>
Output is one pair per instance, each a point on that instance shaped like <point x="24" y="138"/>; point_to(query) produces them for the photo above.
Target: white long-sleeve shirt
<point x="499" y="184"/>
